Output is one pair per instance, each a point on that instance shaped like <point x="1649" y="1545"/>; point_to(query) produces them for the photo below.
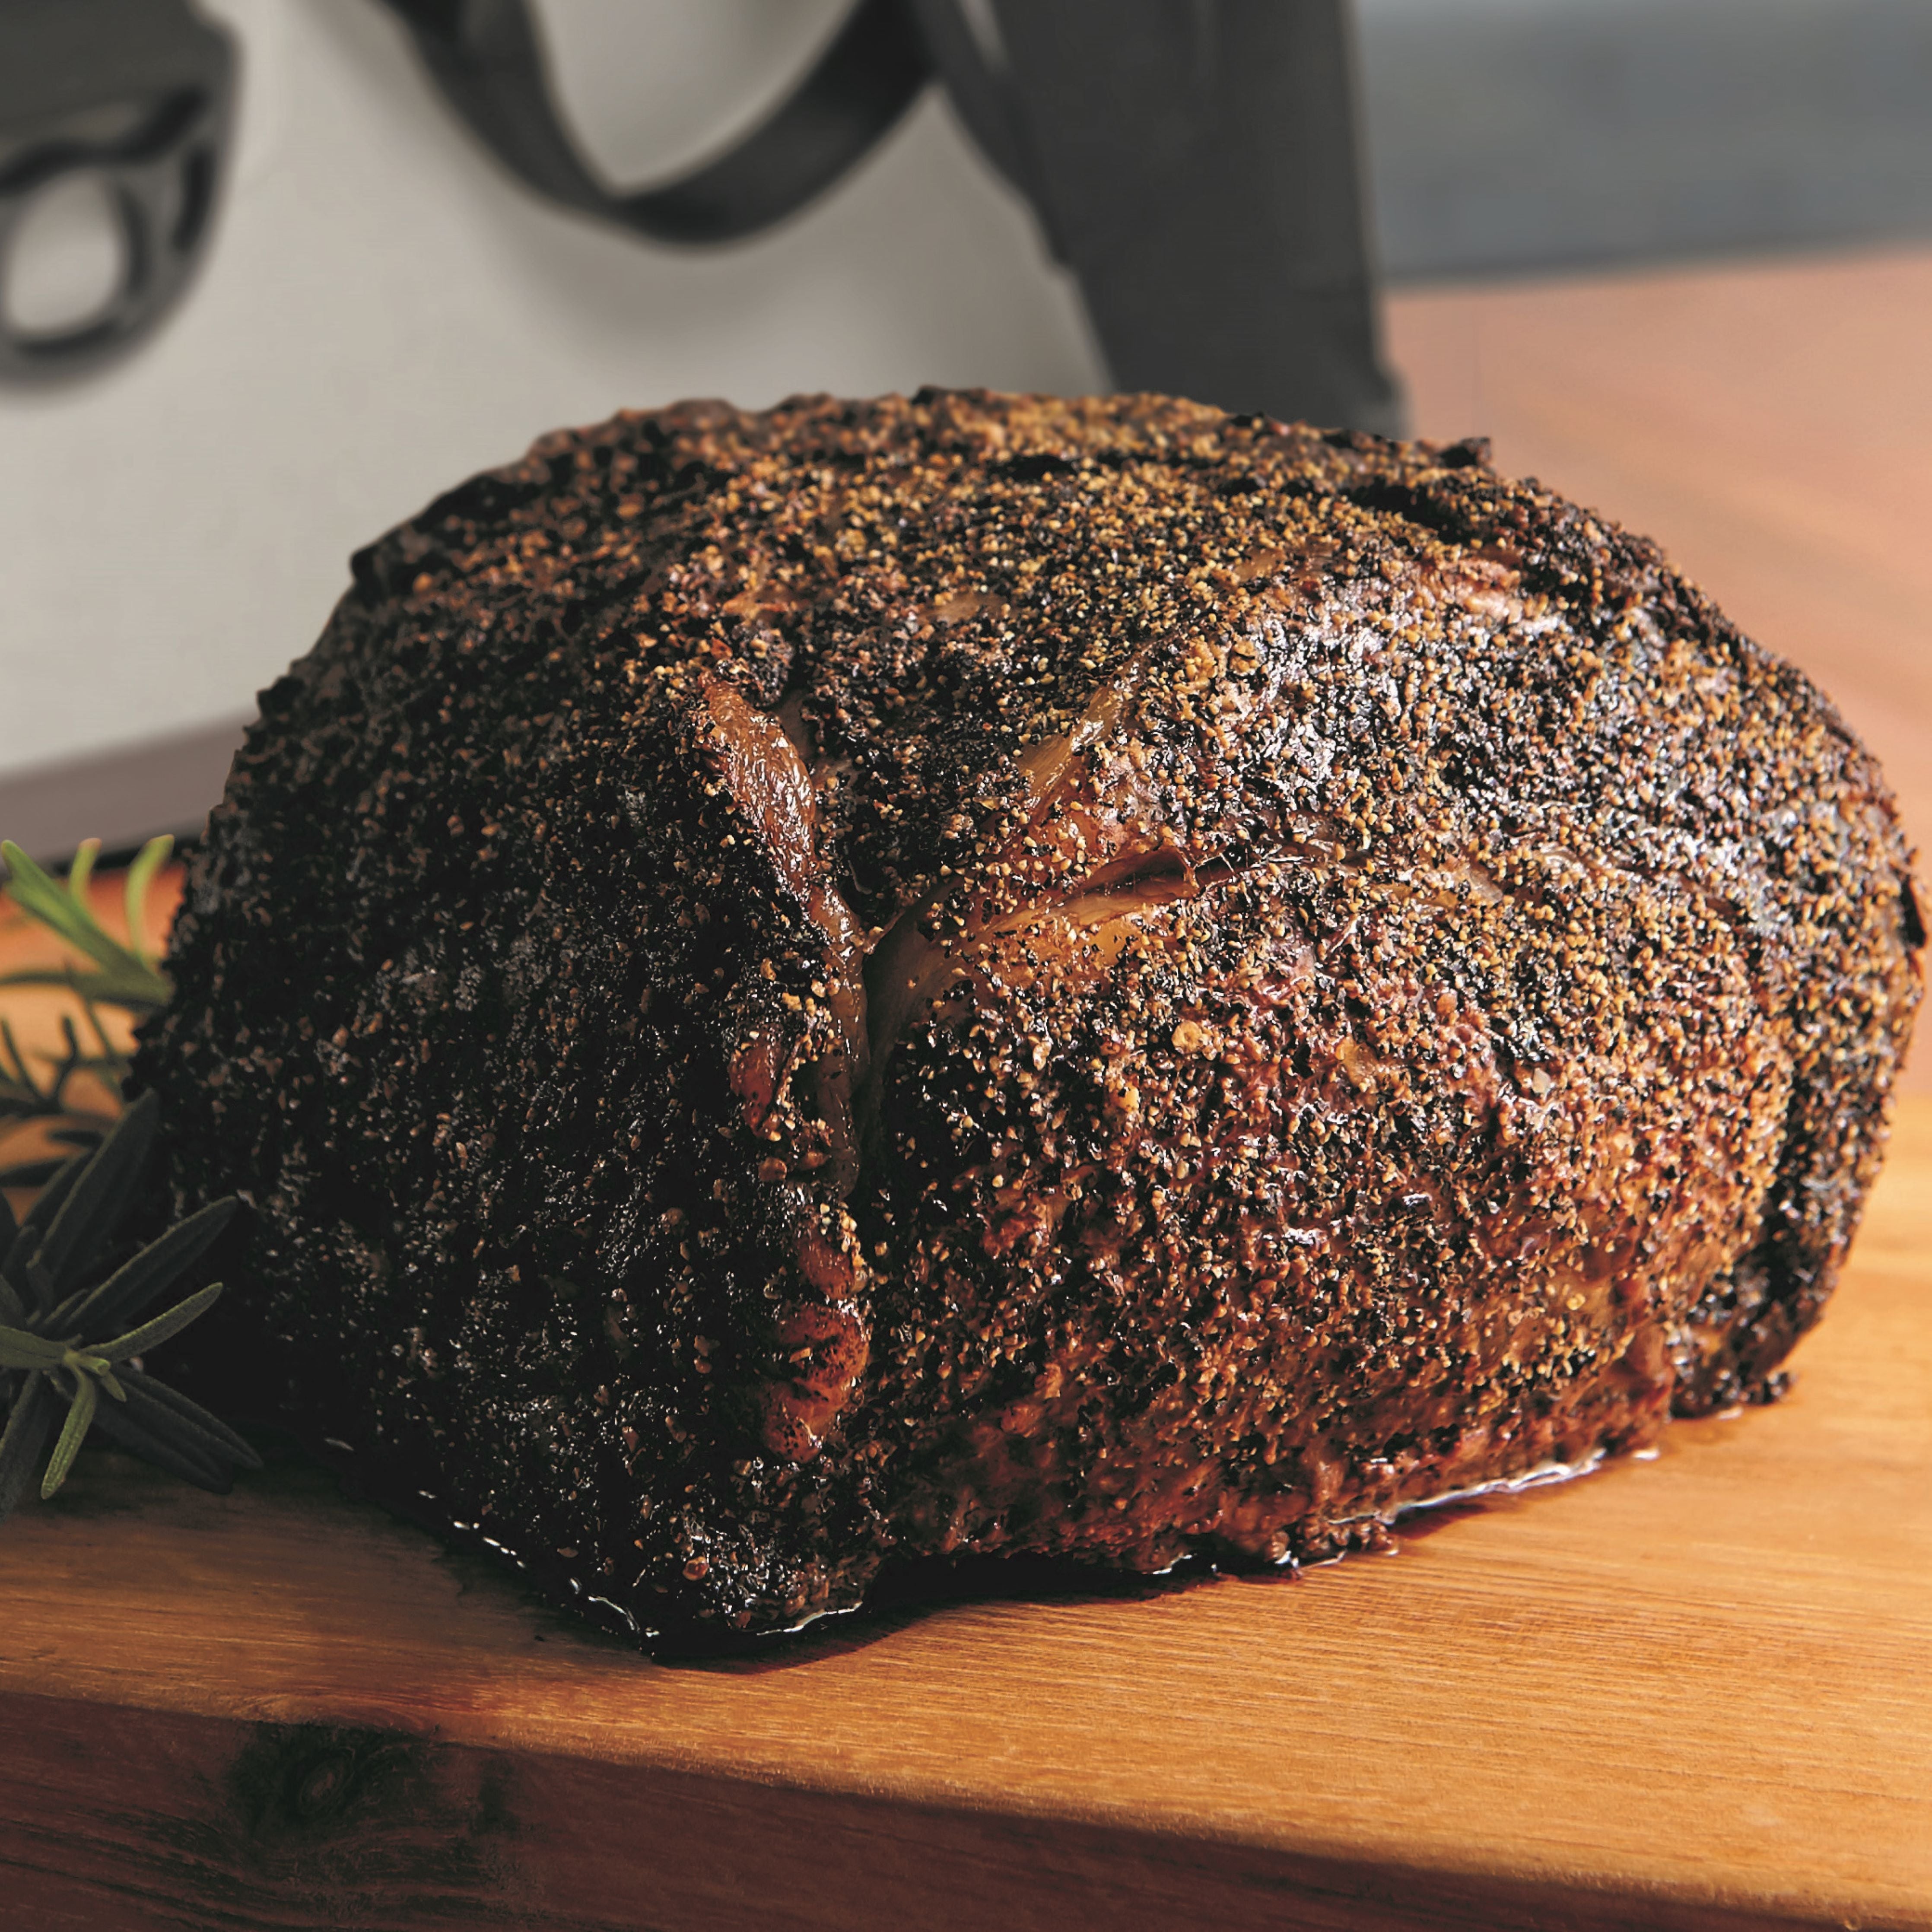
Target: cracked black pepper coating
<point x="979" y="973"/>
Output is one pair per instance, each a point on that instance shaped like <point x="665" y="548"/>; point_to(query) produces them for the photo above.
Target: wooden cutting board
<point x="1693" y="1690"/>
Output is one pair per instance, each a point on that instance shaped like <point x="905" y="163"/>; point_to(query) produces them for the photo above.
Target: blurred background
<point x="1674" y="256"/>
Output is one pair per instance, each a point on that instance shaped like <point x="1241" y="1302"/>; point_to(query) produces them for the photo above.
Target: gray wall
<point x="1524" y="135"/>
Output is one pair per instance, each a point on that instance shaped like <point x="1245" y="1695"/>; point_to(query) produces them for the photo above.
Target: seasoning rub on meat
<point x="984" y="974"/>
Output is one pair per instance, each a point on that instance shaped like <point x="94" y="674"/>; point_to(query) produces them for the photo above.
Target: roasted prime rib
<point x="797" y="991"/>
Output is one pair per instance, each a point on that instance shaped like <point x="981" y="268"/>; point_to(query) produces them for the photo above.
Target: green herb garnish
<point x="123" y="975"/>
<point x="62" y="1284"/>
<point x="126" y="976"/>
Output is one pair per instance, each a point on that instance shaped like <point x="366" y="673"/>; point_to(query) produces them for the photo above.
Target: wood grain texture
<point x="1696" y="1690"/>
<point x="192" y="1822"/>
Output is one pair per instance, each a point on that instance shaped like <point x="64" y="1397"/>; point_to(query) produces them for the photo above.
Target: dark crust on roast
<point x="982" y="974"/>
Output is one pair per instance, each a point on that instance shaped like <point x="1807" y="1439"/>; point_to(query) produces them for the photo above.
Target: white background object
<point x="384" y="313"/>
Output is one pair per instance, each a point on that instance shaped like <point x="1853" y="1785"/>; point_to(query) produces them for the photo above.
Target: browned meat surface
<point x="982" y="975"/>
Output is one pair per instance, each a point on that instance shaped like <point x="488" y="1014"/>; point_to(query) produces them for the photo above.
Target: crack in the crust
<point x="768" y="778"/>
<point x="905" y="969"/>
<point x="908" y="971"/>
<point x="820" y="1341"/>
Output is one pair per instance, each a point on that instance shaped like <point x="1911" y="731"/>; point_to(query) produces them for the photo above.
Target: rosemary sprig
<point x="118" y="976"/>
<point x="123" y="975"/>
<point x="21" y="1095"/>
<point x="60" y="1288"/>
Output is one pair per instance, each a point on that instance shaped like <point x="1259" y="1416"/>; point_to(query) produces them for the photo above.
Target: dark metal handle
<point x="485" y="56"/>
<point x="1195" y="162"/>
<point x="162" y="80"/>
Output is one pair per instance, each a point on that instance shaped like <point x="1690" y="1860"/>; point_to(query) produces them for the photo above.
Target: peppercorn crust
<point x="977" y="974"/>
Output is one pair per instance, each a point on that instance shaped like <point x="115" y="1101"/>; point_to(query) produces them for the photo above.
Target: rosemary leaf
<point x="27" y="1428"/>
<point x="139" y="1279"/>
<point x="33" y="891"/>
<point x="151" y="857"/>
<point x="125" y="977"/>
<point x="170" y="1452"/>
<point x="152" y="1334"/>
<point x="21" y="1072"/>
<point x="77" y="1234"/>
<point x="59" y="1184"/>
<point x="81" y="871"/>
<point x="110" y="1066"/>
<point x="20" y="1350"/>
<point x="125" y="983"/>
<point x="32" y="1173"/>
<point x="189" y="1422"/>
<point x="73" y="1431"/>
